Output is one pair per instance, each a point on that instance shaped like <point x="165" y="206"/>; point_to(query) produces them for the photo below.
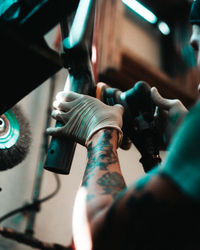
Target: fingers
<point x="59" y="116"/>
<point x="162" y="102"/>
<point x="67" y="96"/>
<point x="65" y="100"/>
<point x="62" y="106"/>
<point x="54" y="131"/>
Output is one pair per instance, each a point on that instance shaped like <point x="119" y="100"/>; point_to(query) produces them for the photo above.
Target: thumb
<point x="56" y="131"/>
<point x="161" y="102"/>
<point x="119" y="108"/>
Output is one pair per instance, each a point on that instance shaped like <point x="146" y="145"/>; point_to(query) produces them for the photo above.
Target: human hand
<point x="82" y="116"/>
<point x="171" y="113"/>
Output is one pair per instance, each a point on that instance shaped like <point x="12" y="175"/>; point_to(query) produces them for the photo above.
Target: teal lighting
<point x="141" y="10"/>
<point x="79" y="25"/>
<point x="164" y="28"/>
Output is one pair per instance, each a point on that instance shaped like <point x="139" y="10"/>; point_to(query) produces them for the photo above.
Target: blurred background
<point x="134" y="40"/>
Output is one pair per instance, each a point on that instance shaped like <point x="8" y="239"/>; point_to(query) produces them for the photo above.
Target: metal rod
<point x="39" y="173"/>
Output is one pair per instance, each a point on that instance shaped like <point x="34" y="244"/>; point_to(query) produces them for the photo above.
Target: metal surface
<point x="24" y="52"/>
<point x="77" y="35"/>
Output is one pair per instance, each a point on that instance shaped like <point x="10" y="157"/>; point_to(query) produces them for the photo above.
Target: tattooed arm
<point x="102" y="182"/>
<point x="107" y="215"/>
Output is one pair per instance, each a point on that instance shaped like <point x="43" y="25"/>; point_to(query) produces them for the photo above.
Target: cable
<point x="58" y="185"/>
<point x="35" y="205"/>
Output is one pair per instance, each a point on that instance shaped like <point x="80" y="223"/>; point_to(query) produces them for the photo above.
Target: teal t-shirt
<point x="182" y="162"/>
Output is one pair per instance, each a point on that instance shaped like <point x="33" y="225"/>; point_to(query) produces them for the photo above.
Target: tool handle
<point x="77" y="44"/>
<point x="61" y="149"/>
<point x="60" y="154"/>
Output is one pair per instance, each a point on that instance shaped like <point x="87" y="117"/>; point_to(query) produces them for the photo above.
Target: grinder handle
<point x="61" y="150"/>
<point x="60" y="154"/>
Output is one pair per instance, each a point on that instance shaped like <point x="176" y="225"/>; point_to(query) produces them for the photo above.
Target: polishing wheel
<point x="9" y="130"/>
<point x="14" y="138"/>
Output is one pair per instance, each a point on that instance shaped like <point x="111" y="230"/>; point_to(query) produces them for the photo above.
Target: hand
<point x="171" y="114"/>
<point x="82" y="116"/>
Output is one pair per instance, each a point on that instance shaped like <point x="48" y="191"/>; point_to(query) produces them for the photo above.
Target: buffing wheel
<point x="14" y="138"/>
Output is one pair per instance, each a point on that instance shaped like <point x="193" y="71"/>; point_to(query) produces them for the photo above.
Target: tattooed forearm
<point x="112" y="183"/>
<point x="102" y="156"/>
<point x="104" y="147"/>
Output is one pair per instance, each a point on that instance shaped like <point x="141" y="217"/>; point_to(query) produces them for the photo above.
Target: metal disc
<point x="9" y="130"/>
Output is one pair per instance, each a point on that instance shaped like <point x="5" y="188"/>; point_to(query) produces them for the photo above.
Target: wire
<point x="34" y="205"/>
<point x="58" y="185"/>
